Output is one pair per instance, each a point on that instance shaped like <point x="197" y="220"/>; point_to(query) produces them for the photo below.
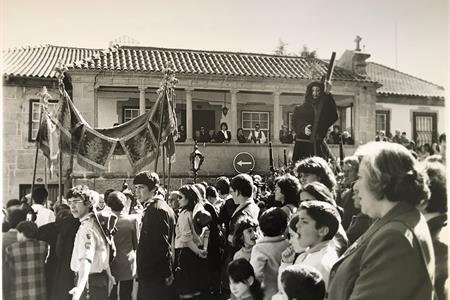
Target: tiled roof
<point x="212" y="63"/>
<point x="40" y="61"/>
<point x="397" y="83"/>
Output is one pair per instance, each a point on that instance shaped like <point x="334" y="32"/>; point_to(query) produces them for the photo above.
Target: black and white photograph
<point x="224" y="150"/>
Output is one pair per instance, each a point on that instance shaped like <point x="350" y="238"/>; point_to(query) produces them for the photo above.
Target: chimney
<point x="354" y="60"/>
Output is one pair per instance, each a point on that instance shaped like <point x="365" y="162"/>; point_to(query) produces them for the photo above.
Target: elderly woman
<point x="394" y="258"/>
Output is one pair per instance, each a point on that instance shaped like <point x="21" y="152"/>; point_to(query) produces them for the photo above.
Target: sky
<point x="407" y="35"/>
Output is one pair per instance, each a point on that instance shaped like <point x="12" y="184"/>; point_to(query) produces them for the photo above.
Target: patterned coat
<point x="24" y="263"/>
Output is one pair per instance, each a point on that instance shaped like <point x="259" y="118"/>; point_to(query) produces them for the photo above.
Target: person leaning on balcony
<point x="240" y="136"/>
<point x="224" y="135"/>
<point x="204" y="136"/>
<point x="257" y="136"/>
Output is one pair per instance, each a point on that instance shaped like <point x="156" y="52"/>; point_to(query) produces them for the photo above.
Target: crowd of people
<point x="369" y="232"/>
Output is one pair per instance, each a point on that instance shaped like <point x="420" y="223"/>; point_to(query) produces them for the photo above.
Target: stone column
<point x="233" y="112"/>
<point x="142" y="99"/>
<point x="364" y="115"/>
<point x="189" y="128"/>
<point x="276" y="117"/>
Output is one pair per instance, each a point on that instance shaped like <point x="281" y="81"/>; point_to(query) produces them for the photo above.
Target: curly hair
<point x="83" y="192"/>
<point x="290" y="187"/>
<point x="242" y="224"/>
<point x="393" y="173"/>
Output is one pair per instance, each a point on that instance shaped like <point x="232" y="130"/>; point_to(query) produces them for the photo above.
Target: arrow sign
<point x="241" y="163"/>
<point x="244" y="162"/>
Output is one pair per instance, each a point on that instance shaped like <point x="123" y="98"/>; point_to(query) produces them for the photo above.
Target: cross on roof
<point x="358" y="41"/>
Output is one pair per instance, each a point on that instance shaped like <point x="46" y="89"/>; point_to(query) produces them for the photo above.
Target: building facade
<point x="114" y="85"/>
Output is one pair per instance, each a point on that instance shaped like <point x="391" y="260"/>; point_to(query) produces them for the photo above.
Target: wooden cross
<point x="358" y="40"/>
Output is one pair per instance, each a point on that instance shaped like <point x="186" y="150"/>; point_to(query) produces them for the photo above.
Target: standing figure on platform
<point x="311" y="121"/>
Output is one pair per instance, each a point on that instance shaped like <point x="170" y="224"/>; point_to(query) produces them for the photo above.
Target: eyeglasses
<point x="76" y="201"/>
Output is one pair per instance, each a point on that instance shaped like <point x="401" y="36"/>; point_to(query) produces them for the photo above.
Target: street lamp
<point x="197" y="159"/>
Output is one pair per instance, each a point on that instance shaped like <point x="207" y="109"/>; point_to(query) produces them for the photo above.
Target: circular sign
<point x="244" y="162"/>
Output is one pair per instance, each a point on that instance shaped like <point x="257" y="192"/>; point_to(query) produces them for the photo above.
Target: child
<point x="245" y="237"/>
<point x="243" y="284"/>
<point x="24" y="264"/>
<point x="266" y="254"/>
<point x="302" y="282"/>
<point x="317" y="224"/>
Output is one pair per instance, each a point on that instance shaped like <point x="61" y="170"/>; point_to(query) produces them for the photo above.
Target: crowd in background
<point x="371" y="231"/>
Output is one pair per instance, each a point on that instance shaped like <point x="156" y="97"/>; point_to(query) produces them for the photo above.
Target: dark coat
<point x="64" y="276"/>
<point x="304" y="115"/>
<point x="441" y="254"/>
<point x="154" y="252"/>
<point x="220" y="137"/>
<point x="386" y="262"/>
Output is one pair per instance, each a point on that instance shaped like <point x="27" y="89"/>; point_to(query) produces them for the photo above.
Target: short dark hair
<point x="15" y="216"/>
<point x="289" y="186"/>
<point x="273" y="221"/>
<point x="242" y="183"/>
<point x="150" y="179"/>
<point x="39" y="194"/>
<point x="190" y="195"/>
<point x="81" y="191"/>
<point x="303" y="282"/>
<point x="211" y="192"/>
<point x="116" y="200"/>
<point x="318" y="166"/>
<point x="240" y="270"/>
<point x="223" y="185"/>
<point x="107" y="192"/>
<point x="437" y="184"/>
<point x="12" y="202"/>
<point x="28" y="229"/>
<point x="320" y="192"/>
<point x="241" y="224"/>
<point x="223" y="123"/>
<point x="325" y="215"/>
<point x="442" y="138"/>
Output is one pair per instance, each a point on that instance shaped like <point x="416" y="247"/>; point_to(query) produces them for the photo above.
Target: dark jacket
<point x="387" y="262"/>
<point x="305" y="115"/>
<point x="220" y="137"/>
<point x="441" y="254"/>
<point x="154" y="252"/>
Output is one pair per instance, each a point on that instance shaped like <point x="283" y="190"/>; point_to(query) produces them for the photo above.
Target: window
<point x="35" y="113"/>
<point x="383" y="121"/>
<point x="251" y="118"/>
<point x="424" y="128"/>
<point x="130" y="113"/>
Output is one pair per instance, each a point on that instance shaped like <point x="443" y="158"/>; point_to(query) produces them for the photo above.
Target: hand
<point x="202" y="253"/>
<point x="288" y="255"/>
<point x="308" y="130"/>
<point x="169" y="280"/>
<point x="111" y="283"/>
<point x="328" y="86"/>
<point x="76" y="292"/>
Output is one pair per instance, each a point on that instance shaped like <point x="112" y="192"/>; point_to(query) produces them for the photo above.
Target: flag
<point x="47" y="138"/>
